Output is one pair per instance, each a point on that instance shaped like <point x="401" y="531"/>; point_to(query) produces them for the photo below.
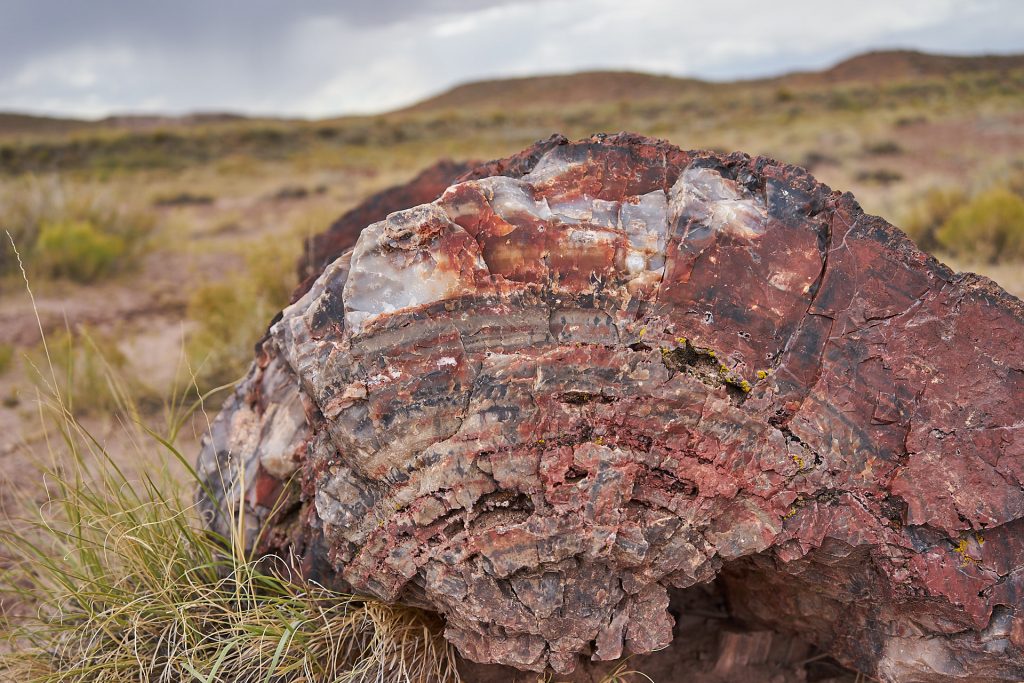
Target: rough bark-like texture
<point x="342" y="234"/>
<point x="708" y="646"/>
<point x="606" y="368"/>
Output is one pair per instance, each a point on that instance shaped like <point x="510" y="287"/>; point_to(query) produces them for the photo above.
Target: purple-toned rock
<point x="604" y="369"/>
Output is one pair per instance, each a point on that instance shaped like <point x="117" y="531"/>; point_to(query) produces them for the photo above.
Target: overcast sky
<point x="320" y="58"/>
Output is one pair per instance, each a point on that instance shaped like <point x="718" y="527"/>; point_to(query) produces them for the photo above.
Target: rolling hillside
<point x="584" y="88"/>
<point x="604" y="86"/>
<point x="558" y="90"/>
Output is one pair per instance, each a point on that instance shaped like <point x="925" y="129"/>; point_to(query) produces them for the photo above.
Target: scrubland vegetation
<point x="233" y="313"/>
<point x="158" y="255"/>
<point x="73" y="230"/>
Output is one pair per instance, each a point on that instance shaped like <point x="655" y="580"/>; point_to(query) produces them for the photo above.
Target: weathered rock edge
<point x="601" y="368"/>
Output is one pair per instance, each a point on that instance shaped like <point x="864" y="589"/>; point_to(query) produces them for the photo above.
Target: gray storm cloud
<point x="320" y="58"/>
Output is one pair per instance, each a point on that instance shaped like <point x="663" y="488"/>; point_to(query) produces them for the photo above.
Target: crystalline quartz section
<point x="552" y="166"/>
<point x="513" y="200"/>
<point x="716" y="204"/>
<point x="398" y="264"/>
<point x="646" y="224"/>
<point x="584" y="209"/>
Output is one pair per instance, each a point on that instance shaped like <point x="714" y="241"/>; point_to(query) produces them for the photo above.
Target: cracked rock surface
<point x="599" y="370"/>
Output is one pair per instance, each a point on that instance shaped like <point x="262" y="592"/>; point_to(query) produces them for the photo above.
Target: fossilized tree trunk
<point x="606" y="368"/>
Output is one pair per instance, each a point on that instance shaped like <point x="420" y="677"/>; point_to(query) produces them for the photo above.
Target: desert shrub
<point x="78" y="221"/>
<point x="843" y="100"/>
<point x="816" y="158"/>
<point x="11" y="399"/>
<point x="880" y="176"/>
<point x="289" y="192"/>
<point x="183" y="199"/>
<point x="784" y="95"/>
<point x="76" y="250"/>
<point x="988" y="228"/>
<point x="6" y="357"/>
<point x="271" y="267"/>
<point x="908" y="121"/>
<point x="883" y="147"/>
<point x="930" y="212"/>
<point x="232" y="315"/>
<point x="1014" y="180"/>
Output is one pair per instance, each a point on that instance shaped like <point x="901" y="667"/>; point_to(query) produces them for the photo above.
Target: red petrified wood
<point x="603" y="369"/>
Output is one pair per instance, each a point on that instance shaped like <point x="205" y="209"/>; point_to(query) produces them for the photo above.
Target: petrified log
<point x="607" y="368"/>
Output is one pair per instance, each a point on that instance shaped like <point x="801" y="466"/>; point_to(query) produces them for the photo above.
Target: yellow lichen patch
<point x="541" y="442"/>
<point x="745" y="386"/>
<point x="798" y="460"/>
<point x="599" y="441"/>
<point x="643" y="331"/>
<point x="761" y="374"/>
<point x="789" y="513"/>
<point x="965" y="557"/>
